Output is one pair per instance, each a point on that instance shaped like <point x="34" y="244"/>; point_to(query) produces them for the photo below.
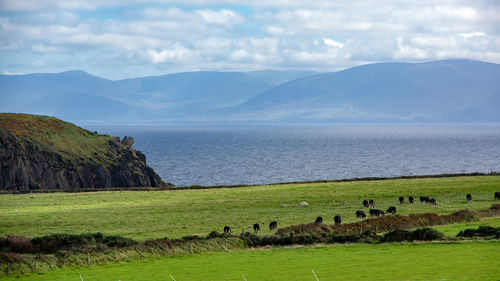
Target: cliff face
<point x="38" y="152"/>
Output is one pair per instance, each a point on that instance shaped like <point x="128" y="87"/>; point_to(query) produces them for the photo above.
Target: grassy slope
<point x="54" y="135"/>
<point x="146" y="215"/>
<point x="457" y="261"/>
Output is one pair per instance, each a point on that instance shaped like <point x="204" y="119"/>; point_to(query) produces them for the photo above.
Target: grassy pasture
<point x="173" y="214"/>
<point x="392" y="261"/>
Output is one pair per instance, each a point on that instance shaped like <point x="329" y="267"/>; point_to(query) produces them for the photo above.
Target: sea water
<point x="263" y="154"/>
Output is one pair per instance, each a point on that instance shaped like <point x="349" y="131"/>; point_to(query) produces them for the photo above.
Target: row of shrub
<point x="386" y="223"/>
<point x="53" y="243"/>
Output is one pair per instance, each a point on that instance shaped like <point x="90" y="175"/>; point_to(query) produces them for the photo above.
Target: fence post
<point x="315" y="275"/>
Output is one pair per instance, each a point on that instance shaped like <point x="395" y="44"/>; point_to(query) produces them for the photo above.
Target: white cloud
<point x="471" y="35"/>
<point x="176" y="54"/>
<point x="333" y="43"/>
<point x="222" y="16"/>
<point x="409" y="52"/>
<point x="276" y="31"/>
<point x="42" y="48"/>
<point x="239" y="55"/>
<point x="466" y="13"/>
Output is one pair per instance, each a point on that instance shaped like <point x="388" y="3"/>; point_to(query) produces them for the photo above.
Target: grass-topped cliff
<point x="40" y="152"/>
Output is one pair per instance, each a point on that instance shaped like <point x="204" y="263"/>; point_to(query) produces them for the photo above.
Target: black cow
<point x="273" y="225"/>
<point x="227" y="230"/>
<point x="391" y="210"/>
<point x="372" y="203"/>
<point x="365" y="203"/>
<point x="497" y="195"/>
<point x="319" y="220"/>
<point x="360" y="214"/>
<point x="337" y="219"/>
<point x="424" y="199"/>
<point x="433" y="201"/>
<point x="410" y="199"/>
<point x="401" y="199"/>
<point x="376" y="212"/>
<point x="469" y="197"/>
<point x="256" y="228"/>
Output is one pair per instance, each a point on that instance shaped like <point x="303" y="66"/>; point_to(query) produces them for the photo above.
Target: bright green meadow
<point x="146" y="215"/>
<point x="392" y="261"/>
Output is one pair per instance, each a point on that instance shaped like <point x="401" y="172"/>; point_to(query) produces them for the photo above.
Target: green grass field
<point x="173" y="214"/>
<point x="393" y="261"/>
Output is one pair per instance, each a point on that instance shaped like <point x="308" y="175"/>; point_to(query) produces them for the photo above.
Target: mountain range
<point x="438" y="91"/>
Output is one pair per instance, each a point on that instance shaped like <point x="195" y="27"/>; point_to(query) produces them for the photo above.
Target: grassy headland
<point x="63" y="138"/>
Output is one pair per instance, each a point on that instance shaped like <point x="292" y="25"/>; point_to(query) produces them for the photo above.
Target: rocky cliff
<point x="40" y="152"/>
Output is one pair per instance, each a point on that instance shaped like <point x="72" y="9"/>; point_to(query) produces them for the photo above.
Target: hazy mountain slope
<point x="276" y="78"/>
<point x="77" y="95"/>
<point x="190" y="90"/>
<point x="42" y="84"/>
<point x="448" y="90"/>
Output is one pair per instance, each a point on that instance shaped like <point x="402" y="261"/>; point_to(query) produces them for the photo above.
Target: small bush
<point x="482" y="231"/>
<point x="16" y="244"/>
<point x="118" y="241"/>
<point x="421" y="234"/>
<point x="6" y="258"/>
<point x="190" y="237"/>
<point x="427" y="234"/>
<point x="56" y="242"/>
<point x="345" y="238"/>
<point x="398" y="235"/>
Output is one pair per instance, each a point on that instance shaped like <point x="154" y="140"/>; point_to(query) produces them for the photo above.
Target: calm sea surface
<point x="227" y="155"/>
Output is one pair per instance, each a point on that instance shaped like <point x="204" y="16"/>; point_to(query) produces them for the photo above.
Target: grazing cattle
<point x="256" y="228"/>
<point x="372" y="203"/>
<point x="469" y="197"/>
<point x="401" y="200"/>
<point x="424" y="199"/>
<point x="365" y="203"/>
<point x="273" y="225"/>
<point x="360" y="214"/>
<point x="227" y="230"/>
<point x="433" y="201"/>
<point x="391" y="210"/>
<point x="497" y="195"/>
<point x="376" y="212"/>
<point x="410" y="199"/>
<point x="337" y="219"/>
<point x="319" y="220"/>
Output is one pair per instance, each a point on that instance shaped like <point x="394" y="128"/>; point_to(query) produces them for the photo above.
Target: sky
<point x="118" y="39"/>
